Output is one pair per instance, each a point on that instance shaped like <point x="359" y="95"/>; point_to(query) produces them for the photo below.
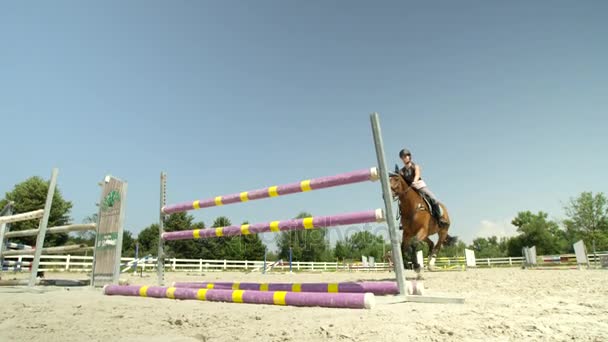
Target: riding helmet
<point x="404" y="152"/>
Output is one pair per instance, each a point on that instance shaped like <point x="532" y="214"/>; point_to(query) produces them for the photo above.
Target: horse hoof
<point x="432" y="268"/>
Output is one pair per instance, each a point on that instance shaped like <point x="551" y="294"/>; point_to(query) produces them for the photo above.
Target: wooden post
<point x="109" y="234"/>
<point x="42" y="227"/>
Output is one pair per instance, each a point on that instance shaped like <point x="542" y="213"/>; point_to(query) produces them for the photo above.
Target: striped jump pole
<point x="359" y="176"/>
<point x="329" y="300"/>
<point x="13" y="245"/>
<point x="277" y="226"/>
<point x="376" y="287"/>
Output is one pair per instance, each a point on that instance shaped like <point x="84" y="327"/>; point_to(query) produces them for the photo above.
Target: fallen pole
<point x="330" y="300"/>
<point x="277" y="226"/>
<point x="30" y="215"/>
<point x="376" y="287"/>
<point x="359" y="176"/>
<point x="46" y="282"/>
<point x="13" y="245"/>
<point x="15" y="269"/>
<point x="50" y="250"/>
<point x="17" y="263"/>
<point x="53" y="230"/>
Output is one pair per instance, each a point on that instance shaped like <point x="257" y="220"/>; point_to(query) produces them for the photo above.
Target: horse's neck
<point x="408" y="200"/>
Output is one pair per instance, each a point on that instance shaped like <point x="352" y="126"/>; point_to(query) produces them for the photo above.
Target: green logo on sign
<point x="107" y="241"/>
<point x="112" y="198"/>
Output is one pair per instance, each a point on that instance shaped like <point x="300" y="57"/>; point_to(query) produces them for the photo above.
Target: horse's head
<point x="397" y="184"/>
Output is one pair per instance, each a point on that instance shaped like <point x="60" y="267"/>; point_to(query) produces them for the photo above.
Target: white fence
<point x="74" y="263"/>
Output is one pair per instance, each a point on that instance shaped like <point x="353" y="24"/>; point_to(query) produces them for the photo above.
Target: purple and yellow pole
<point x="329" y="300"/>
<point x="280" y="190"/>
<point x="277" y="226"/>
<point x="376" y="287"/>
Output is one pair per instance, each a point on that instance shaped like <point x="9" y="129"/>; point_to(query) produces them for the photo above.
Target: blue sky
<point x="503" y="104"/>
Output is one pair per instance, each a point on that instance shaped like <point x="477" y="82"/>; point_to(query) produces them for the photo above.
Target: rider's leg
<point x="431" y="195"/>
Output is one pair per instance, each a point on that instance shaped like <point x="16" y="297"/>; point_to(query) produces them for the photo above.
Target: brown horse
<point x="417" y="221"/>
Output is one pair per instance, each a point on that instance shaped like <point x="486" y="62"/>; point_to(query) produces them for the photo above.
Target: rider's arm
<point x="416" y="174"/>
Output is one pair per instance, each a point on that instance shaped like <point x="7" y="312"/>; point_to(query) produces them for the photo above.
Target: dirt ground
<point x="508" y="304"/>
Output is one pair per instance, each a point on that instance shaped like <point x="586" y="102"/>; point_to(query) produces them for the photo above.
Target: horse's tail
<point x="450" y="240"/>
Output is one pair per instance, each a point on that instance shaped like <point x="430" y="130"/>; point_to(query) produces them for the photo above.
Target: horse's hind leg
<point x="443" y="234"/>
<point x="431" y="245"/>
<point x="405" y="245"/>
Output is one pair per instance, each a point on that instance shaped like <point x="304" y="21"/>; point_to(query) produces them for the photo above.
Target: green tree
<point x="185" y="249"/>
<point x="30" y="195"/>
<point x="490" y="247"/>
<point x="148" y="240"/>
<point x="246" y="247"/>
<point x="536" y="230"/>
<point x="128" y="245"/>
<point x="307" y="245"/>
<point x="224" y="247"/>
<point x="359" y="244"/>
<point x="365" y="243"/>
<point x="86" y="237"/>
<point x="588" y="220"/>
<point x="341" y="251"/>
<point x="456" y="249"/>
<point x="89" y="234"/>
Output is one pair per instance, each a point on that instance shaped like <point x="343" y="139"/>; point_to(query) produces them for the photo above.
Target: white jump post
<point x="470" y="258"/>
<point x="529" y="254"/>
<point x="581" y="254"/>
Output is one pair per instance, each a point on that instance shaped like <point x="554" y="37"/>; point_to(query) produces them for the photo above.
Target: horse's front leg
<point x="431" y="245"/>
<point x="405" y="244"/>
<point x="422" y="234"/>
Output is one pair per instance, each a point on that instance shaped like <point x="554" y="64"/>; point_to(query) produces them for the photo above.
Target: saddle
<point x="434" y="208"/>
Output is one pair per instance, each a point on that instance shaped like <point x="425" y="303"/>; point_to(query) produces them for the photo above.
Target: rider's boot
<point x="438" y="211"/>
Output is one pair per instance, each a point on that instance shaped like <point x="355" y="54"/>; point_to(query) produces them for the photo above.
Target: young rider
<point x="412" y="175"/>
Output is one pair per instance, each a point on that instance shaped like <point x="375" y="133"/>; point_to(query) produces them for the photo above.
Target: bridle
<point x="396" y="197"/>
<point x="409" y="187"/>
